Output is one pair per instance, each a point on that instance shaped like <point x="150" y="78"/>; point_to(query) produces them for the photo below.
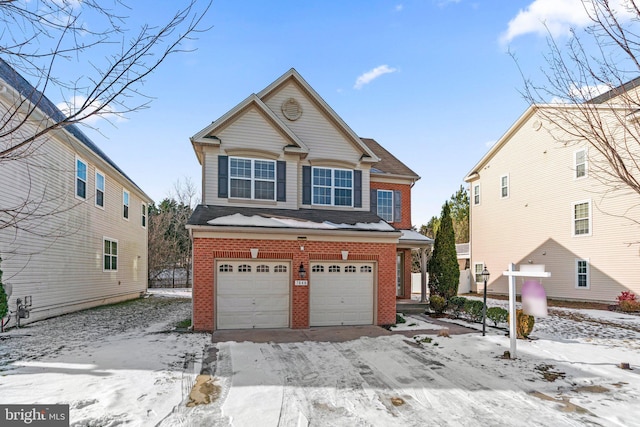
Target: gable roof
<point x="206" y="135"/>
<point x="37" y="98"/>
<point x="388" y="164"/>
<point x="293" y="75"/>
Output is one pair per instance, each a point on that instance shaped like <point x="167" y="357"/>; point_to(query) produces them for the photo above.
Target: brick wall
<point x="405" y="223"/>
<point x="207" y="250"/>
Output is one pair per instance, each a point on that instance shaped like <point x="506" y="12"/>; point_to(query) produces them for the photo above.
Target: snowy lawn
<point x="121" y="365"/>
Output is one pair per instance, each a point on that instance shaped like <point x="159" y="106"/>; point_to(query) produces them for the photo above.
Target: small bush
<point x="524" y="324"/>
<point x="400" y="318"/>
<point x="497" y="315"/>
<point x="456" y="306"/>
<point x="626" y="296"/>
<point x="473" y="310"/>
<point x="437" y="304"/>
<point x="630" y="306"/>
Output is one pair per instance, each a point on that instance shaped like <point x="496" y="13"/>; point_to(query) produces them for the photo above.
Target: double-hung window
<point x="332" y="187"/>
<point x="504" y="186"/>
<point x="81" y="179"/>
<point x="144" y="215"/>
<point x="476" y="194"/>
<point x="582" y="273"/>
<point x="478" y="267"/>
<point x="582" y="218"/>
<point x="580" y="158"/>
<point x="100" y="182"/>
<point x="252" y="178"/>
<point x="385" y="205"/>
<point x="110" y="255"/>
<point x="125" y="204"/>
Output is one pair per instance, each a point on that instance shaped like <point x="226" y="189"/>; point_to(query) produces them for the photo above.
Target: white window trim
<point x="253" y="178"/>
<point x="126" y="218"/>
<point x="475" y="275"/>
<point x="104" y="190"/>
<point x="104" y="270"/>
<point x="508" y="187"/>
<point x="588" y="273"/>
<point x="392" y="204"/>
<point x="573" y="219"/>
<point x="75" y="178"/>
<point x="333" y="186"/>
<point x="575" y="164"/>
<point x="474" y="194"/>
<point x="144" y="213"/>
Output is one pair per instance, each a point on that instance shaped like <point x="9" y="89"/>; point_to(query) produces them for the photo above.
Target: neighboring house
<point x="303" y="223"/>
<point x="81" y="239"/>
<point x="535" y="200"/>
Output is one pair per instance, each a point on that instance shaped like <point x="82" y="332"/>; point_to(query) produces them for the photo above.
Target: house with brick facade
<point x="302" y="222"/>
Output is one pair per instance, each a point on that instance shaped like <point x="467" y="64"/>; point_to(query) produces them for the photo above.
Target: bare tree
<point x="592" y="84"/>
<point x="38" y="41"/>
<point x="169" y="242"/>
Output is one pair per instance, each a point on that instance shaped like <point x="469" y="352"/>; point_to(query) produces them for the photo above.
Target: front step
<point x="411" y="307"/>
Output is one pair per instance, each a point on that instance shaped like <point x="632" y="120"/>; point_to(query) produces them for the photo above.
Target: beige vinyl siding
<point x="322" y="136"/>
<point x="59" y="263"/>
<point x="535" y="223"/>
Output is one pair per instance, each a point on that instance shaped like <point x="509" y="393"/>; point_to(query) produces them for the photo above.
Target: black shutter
<point x="281" y="171"/>
<point x="397" y="206"/>
<point x="223" y="177"/>
<point x="374" y="201"/>
<point x="306" y="185"/>
<point x="357" y="189"/>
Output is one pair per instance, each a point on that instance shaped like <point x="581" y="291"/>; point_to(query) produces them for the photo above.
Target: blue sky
<point x="440" y="87"/>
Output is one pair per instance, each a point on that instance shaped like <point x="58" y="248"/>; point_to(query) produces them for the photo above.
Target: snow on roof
<point x="240" y="220"/>
<point x="414" y="236"/>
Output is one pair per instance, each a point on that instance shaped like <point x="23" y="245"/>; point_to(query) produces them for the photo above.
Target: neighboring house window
<point x="476" y="194"/>
<point x="110" y="255"/>
<point x="581" y="163"/>
<point x="333" y="187"/>
<point x="81" y="179"/>
<point x="144" y="215"/>
<point x="317" y="269"/>
<point x="262" y="269"/>
<point x="125" y="204"/>
<point x="478" y="267"/>
<point x="582" y="274"/>
<point x="385" y="205"/>
<point x="100" y="189"/>
<point x="280" y="269"/>
<point x="365" y="269"/>
<point x="226" y="268"/>
<point x="504" y="186"/>
<point x="582" y="218"/>
<point x="350" y="269"/>
<point x="252" y="178"/>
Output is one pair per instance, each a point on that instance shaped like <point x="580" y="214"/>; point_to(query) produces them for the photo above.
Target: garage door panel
<point x="341" y="296"/>
<point x="252" y="294"/>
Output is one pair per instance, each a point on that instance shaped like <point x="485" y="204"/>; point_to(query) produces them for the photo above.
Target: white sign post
<point x="512" y="274"/>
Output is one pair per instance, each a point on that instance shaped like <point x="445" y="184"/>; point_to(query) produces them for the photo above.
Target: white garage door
<point x="341" y="294"/>
<point x="252" y="294"/>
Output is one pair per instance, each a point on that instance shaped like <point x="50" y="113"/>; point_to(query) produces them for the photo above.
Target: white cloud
<point x="583" y="93"/>
<point x="76" y="102"/>
<point x="399" y="7"/>
<point x="370" y="76"/>
<point x="556" y="17"/>
<point x="490" y="144"/>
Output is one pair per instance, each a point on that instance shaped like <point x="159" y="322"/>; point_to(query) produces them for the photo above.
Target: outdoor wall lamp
<point x="485" y="276"/>
<point x="302" y="272"/>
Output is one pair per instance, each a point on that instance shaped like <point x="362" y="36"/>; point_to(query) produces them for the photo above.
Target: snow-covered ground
<point x="123" y="365"/>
